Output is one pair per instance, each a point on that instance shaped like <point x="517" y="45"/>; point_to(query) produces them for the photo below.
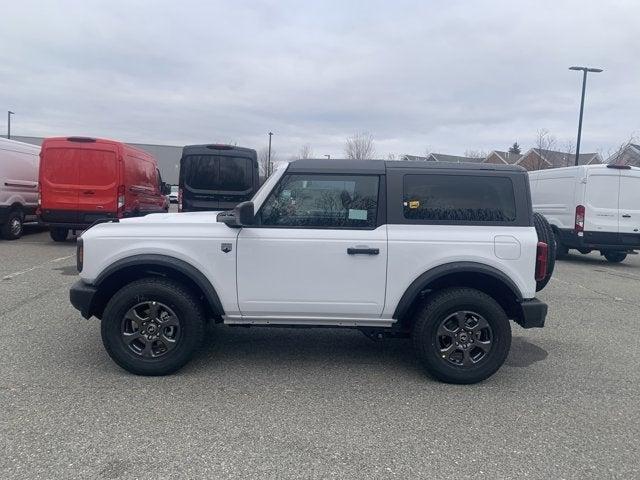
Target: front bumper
<point x="534" y="313"/>
<point x="82" y="296"/>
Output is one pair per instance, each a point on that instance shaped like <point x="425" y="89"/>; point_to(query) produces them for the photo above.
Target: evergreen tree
<point x="515" y="148"/>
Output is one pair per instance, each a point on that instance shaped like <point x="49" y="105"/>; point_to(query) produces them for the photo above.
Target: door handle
<point x="89" y="192"/>
<point x="626" y="215"/>
<point x="363" y="251"/>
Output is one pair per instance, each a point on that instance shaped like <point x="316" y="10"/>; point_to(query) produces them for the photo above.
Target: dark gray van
<point x="216" y="177"/>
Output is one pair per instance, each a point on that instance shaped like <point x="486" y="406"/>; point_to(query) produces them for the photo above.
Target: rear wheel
<point x="59" y="234"/>
<point x="13" y="228"/>
<point x="152" y="326"/>
<point x="615" y="257"/>
<point x="462" y="336"/>
<point x="546" y="235"/>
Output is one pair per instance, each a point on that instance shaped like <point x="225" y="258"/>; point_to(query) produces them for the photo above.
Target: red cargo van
<point x="83" y="180"/>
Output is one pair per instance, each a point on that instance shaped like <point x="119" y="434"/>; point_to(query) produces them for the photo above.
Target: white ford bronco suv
<point x="445" y="253"/>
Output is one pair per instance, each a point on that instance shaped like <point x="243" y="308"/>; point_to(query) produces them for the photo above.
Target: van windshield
<point x="217" y="172"/>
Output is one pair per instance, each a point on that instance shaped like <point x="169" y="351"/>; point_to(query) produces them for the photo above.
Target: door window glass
<point x="323" y="201"/>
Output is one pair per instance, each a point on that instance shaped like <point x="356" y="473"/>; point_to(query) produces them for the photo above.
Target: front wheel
<point x="152" y="326"/>
<point x="462" y="336"/>
<point x="615" y="257"/>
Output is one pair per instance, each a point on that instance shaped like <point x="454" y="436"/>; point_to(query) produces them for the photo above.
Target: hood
<point x="164" y="218"/>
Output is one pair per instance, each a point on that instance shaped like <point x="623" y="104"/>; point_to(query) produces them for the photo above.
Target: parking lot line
<point x="35" y="267"/>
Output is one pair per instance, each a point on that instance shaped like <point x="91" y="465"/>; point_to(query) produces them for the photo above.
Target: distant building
<point x="443" y="157"/>
<point x="168" y="156"/>
<point x="627" y="155"/>
<point x="503" y="158"/>
<point x="415" y="158"/>
<point x="537" y="159"/>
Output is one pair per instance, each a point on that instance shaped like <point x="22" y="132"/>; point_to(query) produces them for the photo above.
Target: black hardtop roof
<point x="381" y="166"/>
<point x="215" y="148"/>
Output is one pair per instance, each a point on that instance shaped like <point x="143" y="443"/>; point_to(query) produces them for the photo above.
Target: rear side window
<point x="459" y="198"/>
<point x="323" y="201"/>
<point x="218" y="172"/>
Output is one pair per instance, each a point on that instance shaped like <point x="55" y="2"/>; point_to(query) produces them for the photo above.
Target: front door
<point x="319" y="250"/>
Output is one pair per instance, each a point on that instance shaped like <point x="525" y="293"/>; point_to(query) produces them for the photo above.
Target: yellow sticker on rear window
<point x="414" y="204"/>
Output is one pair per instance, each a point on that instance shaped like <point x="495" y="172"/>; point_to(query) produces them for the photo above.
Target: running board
<point x="310" y="321"/>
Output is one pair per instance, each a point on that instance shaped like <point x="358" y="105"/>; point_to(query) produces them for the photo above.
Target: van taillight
<point x="120" y="200"/>
<point x="179" y="199"/>
<point x="579" y="226"/>
<point x="542" y="258"/>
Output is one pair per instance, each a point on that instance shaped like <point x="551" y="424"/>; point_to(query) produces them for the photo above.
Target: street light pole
<point x="584" y="86"/>
<point x="269" y="156"/>
<point x="9" y="113"/>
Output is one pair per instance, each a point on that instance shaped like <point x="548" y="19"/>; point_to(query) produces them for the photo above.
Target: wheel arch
<point x="135" y="267"/>
<point x="482" y="277"/>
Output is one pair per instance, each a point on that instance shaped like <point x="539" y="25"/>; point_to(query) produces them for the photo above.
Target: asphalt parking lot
<point x="284" y="403"/>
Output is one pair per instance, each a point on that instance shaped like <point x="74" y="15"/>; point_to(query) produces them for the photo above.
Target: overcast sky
<point x="444" y="76"/>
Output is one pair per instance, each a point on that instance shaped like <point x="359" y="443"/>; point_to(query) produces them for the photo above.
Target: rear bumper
<point x="82" y="296"/>
<point x="534" y="313"/>
<point x="600" y="240"/>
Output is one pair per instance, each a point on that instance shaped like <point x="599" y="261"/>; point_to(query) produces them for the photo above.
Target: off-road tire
<point x="546" y="235"/>
<point x="435" y="310"/>
<point x="59" y="234"/>
<point x="13" y="228"/>
<point x="168" y="292"/>
<point x="615" y="257"/>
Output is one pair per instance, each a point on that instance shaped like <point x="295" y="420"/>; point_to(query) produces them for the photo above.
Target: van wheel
<point x="462" y="335"/>
<point x="152" y="326"/>
<point x="59" y="234"/>
<point x="546" y="235"/>
<point x="615" y="257"/>
<point x="13" y="228"/>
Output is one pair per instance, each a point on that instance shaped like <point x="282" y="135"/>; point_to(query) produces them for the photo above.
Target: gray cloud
<point x="448" y="75"/>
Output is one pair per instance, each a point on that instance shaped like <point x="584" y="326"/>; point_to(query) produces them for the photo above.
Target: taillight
<point x="179" y="199"/>
<point x="579" y="226"/>
<point x="542" y="258"/>
<point x="120" y="200"/>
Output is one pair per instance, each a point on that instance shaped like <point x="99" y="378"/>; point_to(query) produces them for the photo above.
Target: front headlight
<point x="79" y="254"/>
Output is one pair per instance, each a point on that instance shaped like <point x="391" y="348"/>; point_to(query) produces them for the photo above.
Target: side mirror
<point x="241" y="216"/>
<point x="165" y="188"/>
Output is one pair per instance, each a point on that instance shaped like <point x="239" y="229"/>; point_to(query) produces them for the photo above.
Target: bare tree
<point x="569" y="150"/>
<point x="617" y="156"/>
<point x="359" y="146"/>
<point x="544" y="142"/>
<point x="305" y="151"/>
<point x="263" y="158"/>
<point x="392" y="156"/>
<point x="475" y="154"/>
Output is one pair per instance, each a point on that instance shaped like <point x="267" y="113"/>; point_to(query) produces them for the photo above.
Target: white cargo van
<point x="591" y="207"/>
<point x="19" y="164"/>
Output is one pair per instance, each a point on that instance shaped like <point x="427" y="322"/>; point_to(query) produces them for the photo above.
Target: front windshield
<point x="266" y="187"/>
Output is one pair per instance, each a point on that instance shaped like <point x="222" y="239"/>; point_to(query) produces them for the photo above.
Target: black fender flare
<point x="422" y="282"/>
<point x="185" y="268"/>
